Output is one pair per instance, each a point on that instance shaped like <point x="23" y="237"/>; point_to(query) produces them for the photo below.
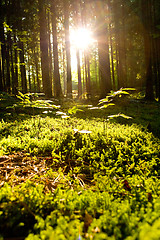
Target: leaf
<point x="74" y="110"/>
<point x="93" y="108"/>
<point x="60" y="113"/>
<point x="20" y="98"/>
<point x="125" y="116"/>
<point x="21" y="94"/>
<point x="107" y="105"/>
<point x="119" y="115"/>
<point x="7" y="27"/>
<point x="119" y="92"/>
<point x="128" y="89"/>
<point x="65" y="116"/>
<point x="104" y="100"/>
<point x="113" y="116"/>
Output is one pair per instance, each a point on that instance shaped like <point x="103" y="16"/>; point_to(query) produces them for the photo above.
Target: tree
<point x="67" y="47"/>
<point x="3" y="48"/>
<point x="47" y="86"/>
<point x="57" y="84"/>
<point x="77" y="25"/>
<point x="147" y="22"/>
<point x="103" y="49"/>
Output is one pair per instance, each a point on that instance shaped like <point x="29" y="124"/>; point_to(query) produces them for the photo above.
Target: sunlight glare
<point x="81" y="38"/>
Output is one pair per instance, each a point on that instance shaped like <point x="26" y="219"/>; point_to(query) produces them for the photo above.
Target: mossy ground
<point x="83" y="176"/>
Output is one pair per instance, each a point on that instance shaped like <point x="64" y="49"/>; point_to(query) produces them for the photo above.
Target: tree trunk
<point x="103" y="51"/>
<point x="22" y="68"/>
<point x="67" y="46"/>
<point x="77" y="24"/>
<point x="48" y="14"/>
<point x="36" y="58"/>
<point x="16" y="67"/>
<point x="57" y="83"/>
<point x="47" y="86"/>
<point x="1" y="75"/>
<point x="112" y="59"/>
<point x="3" y="55"/>
<point x="79" y="75"/>
<point x="12" y="64"/>
<point x="147" y="22"/>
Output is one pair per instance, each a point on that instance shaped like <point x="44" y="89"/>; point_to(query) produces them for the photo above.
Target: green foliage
<point x="74" y="110"/>
<point x="107" y="101"/>
<point x="35" y="103"/>
<point x="93" y="183"/>
<point x="114" y="94"/>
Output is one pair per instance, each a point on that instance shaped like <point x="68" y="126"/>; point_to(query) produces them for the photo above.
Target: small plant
<point x="26" y="101"/>
<point x="108" y="101"/>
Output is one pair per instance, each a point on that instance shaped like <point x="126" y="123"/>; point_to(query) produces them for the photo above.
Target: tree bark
<point x="57" y="83"/>
<point x="103" y="51"/>
<point x="147" y="22"/>
<point x="79" y="75"/>
<point x="3" y="54"/>
<point x="22" y="68"/>
<point x="47" y="86"/>
<point x="77" y="24"/>
<point x="67" y="47"/>
<point x="16" y="67"/>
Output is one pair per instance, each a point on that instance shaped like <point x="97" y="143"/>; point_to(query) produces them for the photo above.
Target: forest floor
<point x="67" y="172"/>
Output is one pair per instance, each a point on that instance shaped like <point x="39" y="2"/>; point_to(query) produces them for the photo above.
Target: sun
<point x="81" y="38"/>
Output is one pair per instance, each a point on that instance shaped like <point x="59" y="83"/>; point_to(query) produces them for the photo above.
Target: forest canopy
<point x="86" y="47"/>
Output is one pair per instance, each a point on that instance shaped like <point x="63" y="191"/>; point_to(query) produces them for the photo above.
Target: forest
<point x="79" y="119"/>
<point x="90" y="47"/>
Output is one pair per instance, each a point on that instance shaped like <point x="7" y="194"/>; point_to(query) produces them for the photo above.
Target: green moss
<point x="100" y="180"/>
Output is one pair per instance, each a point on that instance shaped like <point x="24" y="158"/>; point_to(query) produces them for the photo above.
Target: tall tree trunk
<point x="36" y="58"/>
<point x="112" y="58"/>
<point x="22" y="68"/>
<point x="3" y="54"/>
<point x="47" y="86"/>
<point x="122" y="47"/>
<point x="88" y="84"/>
<point x="147" y="22"/>
<point x="49" y="46"/>
<point x="64" y="70"/>
<point x="79" y="75"/>
<point x="77" y="24"/>
<point x="96" y="73"/>
<point x="12" y="64"/>
<point x="119" y="28"/>
<point x="1" y="75"/>
<point x="16" y="32"/>
<point x="8" y="78"/>
<point x="103" y="51"/>
<point x="21" y="52"/>
<point x="29" y="79"/>
<point x="57" y="83"/>
<point x="67" y="46"/>
<point x="16" y="67"/>
<point x="156" y="50"/>
<point x="8" y="49"/>
<point x="1" y="79"/>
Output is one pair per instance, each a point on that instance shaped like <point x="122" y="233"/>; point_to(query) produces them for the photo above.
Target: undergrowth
<point x="78" y="178"/>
